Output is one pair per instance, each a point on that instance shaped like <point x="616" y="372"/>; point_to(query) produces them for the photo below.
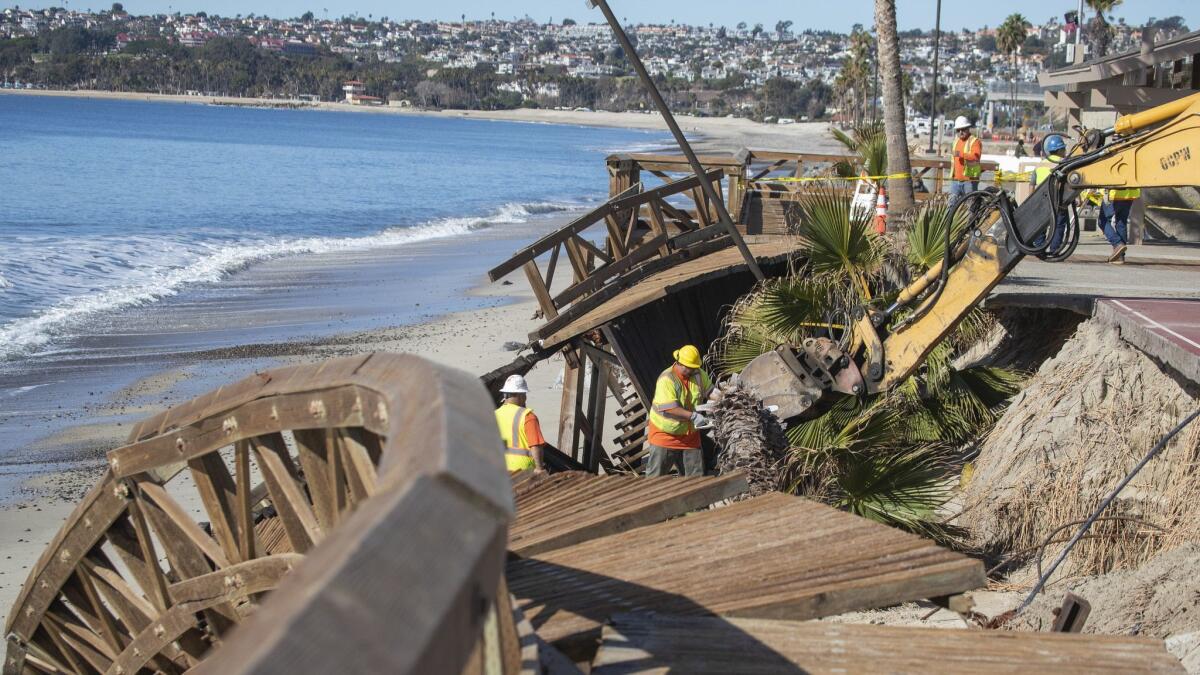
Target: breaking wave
<point x="148" y="269"/>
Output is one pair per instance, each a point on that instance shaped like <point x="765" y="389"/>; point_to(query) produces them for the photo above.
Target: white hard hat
<point x="962" y="123"/>
<point x="515" y="384"/>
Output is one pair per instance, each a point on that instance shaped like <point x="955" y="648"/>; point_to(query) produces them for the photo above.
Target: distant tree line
<point x="78" y="58"/>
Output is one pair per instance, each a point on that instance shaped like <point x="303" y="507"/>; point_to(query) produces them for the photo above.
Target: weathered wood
<point x="652" y="281"/>
<point x="648" y="271"/>
<point x="294" y="510"/>
<point x="218" y="492"/>
<point x="702" y="645"/>
<point x="191" y="544"/>
<point x="773" y="556"/>
<point x="360" y="470"/>
<point x="314" y="460"/>
<point x="571" y="508"/>
<point x="566" y="408"/>
<point x="597" y="278"/>
<point x="245" y="502"/>
<point x="540" y="290"/>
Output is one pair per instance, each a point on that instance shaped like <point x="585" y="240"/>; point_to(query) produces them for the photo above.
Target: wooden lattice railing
<point x="363" y="475"/>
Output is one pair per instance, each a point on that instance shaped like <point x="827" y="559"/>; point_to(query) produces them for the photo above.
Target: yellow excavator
<point x="1156" y="148"/>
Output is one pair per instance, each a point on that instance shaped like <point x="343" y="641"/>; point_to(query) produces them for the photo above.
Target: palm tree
<point x="1099" y="31"/>
<point x="901" y="188"/>
<point x="1009" y="38"/>
<point x="889" y="457"/>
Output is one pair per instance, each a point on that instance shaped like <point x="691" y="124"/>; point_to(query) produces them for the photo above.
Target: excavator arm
<point x="1156" y="148"/>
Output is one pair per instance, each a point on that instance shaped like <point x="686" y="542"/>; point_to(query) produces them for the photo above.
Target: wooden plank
<point x="179" y="523"/>
<point x="597" y="279"/>
<point x="552" y="265"/>
<point x="293" y="509"/>
<point x="217" y="492"/>
<point x="360" y="471"/>
<point x="584" y="507"/>
<point x="314" y="460"/>
<point x="654" y="280"/>
<point x="774" y="556"/>
<point x="399" y="535"/>
<point x="245" y="503"/>
<point x="702" y="645"/>
<point x="559" y="236"/>
<point x="540" y="290"/>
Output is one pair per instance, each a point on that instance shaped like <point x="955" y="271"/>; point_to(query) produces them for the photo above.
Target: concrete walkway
<point x="1168" y="330"/>
<point x="1094" y="248"/>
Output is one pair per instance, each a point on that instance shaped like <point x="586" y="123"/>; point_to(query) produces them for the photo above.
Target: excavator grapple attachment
<point x="794" y="380"/>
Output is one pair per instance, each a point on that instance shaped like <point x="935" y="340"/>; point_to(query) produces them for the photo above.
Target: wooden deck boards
<point x="644" y="643"/>
<point x="720" y="263"/>
<point x="570" y="508"/>
<point x="774" y="556"/>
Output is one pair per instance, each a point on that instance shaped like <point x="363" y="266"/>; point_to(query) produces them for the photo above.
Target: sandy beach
<point x="713" y="134"/>
<point x="279" y="328"/>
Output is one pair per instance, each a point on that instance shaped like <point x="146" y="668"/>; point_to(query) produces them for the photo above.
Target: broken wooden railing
<point x="629" y="243"/>
<point x="341" y="485"/>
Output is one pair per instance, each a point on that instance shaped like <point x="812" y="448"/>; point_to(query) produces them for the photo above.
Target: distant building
<point x="354" y="90"/>
<point x="356" y="94"/>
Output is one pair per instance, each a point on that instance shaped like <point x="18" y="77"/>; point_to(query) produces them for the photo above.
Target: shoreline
<point x="711" y="134"/>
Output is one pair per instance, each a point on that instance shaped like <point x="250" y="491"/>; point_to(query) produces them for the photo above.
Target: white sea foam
<point x="175" y="267"/>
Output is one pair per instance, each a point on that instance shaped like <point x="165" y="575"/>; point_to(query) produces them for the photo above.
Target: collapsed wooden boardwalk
<point x="367" y="525"/>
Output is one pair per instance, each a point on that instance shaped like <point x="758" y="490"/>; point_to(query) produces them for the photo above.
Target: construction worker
<point x="519" y="428"/>
<point x="1053" y="146"/>
<point x="673" y="435"/>
<point x="966" y="169"/>
<point x="1114" y="221"/>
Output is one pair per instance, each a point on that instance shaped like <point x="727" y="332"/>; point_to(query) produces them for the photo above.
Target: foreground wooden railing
<point x="330" y="493"/>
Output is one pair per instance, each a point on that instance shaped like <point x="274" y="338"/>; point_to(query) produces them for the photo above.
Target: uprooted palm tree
<point x="888" y="457"/>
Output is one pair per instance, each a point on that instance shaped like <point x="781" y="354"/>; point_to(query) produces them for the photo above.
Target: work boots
<point x="1118" y="255"/>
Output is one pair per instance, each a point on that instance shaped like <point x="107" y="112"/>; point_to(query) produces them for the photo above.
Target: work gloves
<point x="700" y="421"/>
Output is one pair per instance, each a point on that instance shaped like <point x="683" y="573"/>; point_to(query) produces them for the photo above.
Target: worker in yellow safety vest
<point x="1114" y="221"/>
<point x="519" y="428"/>
<point x="966" y="169"/>
<point x="673" y="432"/>
<point x="1052" y="147"/>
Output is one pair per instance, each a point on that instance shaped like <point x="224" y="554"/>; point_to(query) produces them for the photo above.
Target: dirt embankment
<point x="1083" y="421"/>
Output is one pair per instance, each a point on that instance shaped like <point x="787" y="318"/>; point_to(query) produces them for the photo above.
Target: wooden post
<point x="596" y="414"/>
<point x="577" y="408"/>
<point x="534" y="275"/>
<point x="590" y="457"/>
<point x="566" y="407"/>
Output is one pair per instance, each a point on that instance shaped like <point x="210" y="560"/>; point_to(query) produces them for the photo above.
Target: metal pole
<point x="697" y="168"/>
<point x="875" y="87"/>
<point x="937" y="42"/>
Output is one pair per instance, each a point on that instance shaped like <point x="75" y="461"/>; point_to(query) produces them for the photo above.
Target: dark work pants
<point x="661" y="460"/>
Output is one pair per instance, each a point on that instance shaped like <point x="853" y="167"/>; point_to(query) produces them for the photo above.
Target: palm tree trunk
<point x="900" y="190"/>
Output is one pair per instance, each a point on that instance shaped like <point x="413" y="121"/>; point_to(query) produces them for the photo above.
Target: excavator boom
<point x="1156" y="148"/>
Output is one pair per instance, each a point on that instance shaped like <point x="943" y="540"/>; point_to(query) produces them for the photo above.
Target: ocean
<point x="136" y="232"/>
<point x="116" y="204"/>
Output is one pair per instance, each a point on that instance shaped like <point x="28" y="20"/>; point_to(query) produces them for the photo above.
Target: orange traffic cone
<point x="881" y="205"/>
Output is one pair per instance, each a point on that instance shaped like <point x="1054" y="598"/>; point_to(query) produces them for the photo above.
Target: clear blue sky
<point x="817" y="14"/>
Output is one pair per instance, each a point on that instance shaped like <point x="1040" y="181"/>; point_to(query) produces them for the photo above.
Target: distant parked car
<point x="786" y="120"/>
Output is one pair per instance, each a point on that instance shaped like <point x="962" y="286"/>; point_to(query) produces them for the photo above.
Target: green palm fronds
<point x="903" y="489"/>
<point x="869" y="143"/>
<point x="927" y="235"/>
<point x="837" y="237"/>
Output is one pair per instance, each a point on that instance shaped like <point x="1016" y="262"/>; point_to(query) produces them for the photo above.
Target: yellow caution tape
<point x="1013" y="176"/>
<point x="809" y="179"/>
<point x="1172" y="208"/>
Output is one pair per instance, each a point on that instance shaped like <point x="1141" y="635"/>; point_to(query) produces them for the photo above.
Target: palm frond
<point x="927" y="234"/>
<point x="904" y="489"/>
<point x="837" y="237"/>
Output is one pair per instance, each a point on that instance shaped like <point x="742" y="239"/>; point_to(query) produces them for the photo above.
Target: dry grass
<point x="1067" y="440"/>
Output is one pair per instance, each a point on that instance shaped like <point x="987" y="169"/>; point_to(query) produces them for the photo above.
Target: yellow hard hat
<point x="688" y="356"/>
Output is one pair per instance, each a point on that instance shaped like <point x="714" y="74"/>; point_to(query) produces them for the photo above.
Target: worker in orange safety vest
<point x="520" y="430"/>
<point x="965" y="163"/>
<point x="673" y="434"/>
